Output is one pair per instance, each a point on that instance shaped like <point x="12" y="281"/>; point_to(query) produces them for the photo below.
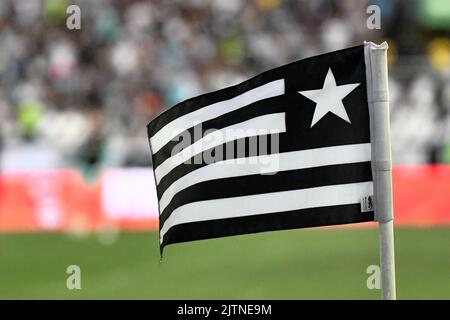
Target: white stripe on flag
<point x="267" y="203"/>
<point x="177" y="126"/>
<point x="294" y="160"/>
<point x="270" y="123"/>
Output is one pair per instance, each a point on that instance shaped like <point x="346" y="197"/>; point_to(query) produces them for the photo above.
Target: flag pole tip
<point x="382" y="46"/>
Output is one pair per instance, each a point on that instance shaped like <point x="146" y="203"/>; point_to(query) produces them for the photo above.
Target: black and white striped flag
<point x="289" y="148"/>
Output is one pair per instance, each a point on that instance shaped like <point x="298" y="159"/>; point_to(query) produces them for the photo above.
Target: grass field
<point x="301" y="264"/>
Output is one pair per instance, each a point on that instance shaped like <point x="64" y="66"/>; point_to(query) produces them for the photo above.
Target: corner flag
<point x="294" y="147"/>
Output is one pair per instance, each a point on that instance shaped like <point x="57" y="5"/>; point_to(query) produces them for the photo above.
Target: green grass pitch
<point x="300" y="264"/>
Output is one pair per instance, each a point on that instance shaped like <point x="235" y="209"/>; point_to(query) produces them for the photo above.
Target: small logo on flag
<point x="367" y="204"/>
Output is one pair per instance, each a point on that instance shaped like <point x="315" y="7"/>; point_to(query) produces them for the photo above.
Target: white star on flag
<point x="329" y="98"/>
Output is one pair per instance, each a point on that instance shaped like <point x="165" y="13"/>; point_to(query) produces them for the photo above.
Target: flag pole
<point x="378" y="97"/>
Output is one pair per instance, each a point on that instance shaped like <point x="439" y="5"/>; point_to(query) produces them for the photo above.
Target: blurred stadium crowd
<point x="82" y="98"/>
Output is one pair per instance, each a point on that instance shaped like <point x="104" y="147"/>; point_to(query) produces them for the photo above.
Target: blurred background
<point x="75" y="177"/>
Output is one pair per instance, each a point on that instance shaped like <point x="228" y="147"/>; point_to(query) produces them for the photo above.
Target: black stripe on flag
<point x="306" y="218"/>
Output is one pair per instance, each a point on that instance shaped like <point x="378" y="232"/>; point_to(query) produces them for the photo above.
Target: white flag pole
<point x="378" y="97"/>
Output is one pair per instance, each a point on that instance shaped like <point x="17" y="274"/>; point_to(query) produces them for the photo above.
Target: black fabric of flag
<point x="318" y="175"/>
